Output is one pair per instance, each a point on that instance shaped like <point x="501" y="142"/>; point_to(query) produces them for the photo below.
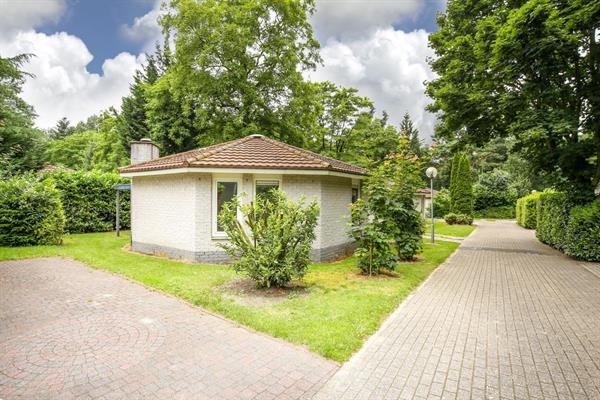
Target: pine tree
<point x="408" y="130"/>
<point x="62" y="129"/>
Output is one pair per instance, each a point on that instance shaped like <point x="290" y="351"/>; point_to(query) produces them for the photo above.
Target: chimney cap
<point x="143" y="140"/>
<point x="256" y="135"/>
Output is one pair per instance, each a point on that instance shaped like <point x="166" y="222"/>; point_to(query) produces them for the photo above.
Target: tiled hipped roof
<point x="250" y="152"/>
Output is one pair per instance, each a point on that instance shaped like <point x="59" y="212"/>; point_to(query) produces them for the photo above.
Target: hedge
<point x="88" y="200"/>
<point x="583" y="232"/>
<point x="30" y="213"/>
<point x="526" y="210"/>
<point x="501" y="212"/>
<point x="552" y="219"/>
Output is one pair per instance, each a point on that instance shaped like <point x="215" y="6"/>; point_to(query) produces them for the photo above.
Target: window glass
<point x="265" y="188"/>
<point x="226" y="191"/>
<point x="355" y="196"/>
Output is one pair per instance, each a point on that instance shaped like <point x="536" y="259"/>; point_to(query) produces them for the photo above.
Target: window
<point x="226" y="191"/>
<point x="266" y="187"/>
<point x="355" y="194"/>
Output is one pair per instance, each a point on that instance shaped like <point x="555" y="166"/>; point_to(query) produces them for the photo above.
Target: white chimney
<point x="143" y="150"/>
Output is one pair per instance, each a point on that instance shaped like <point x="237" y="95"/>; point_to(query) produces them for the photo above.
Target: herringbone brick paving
<point x="506" y="317"/>
<point x="68" y="331"/>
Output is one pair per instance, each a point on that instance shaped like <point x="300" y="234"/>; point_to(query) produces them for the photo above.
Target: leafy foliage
<point x="583" y="232"/>
<point x="272" y="244"/>
<point x="88" y="200"/>
<point x="458" y="219"/>
<point x="30" y="213"/>
<point x="500" y="212"/>
<point x="552" y="218"/>
<point x="527" y="70"/>
<point x="526" y="210"/>
<point x="493" y="189"/>
<point x="441" y="203"/>
<point x="461" y="186"/>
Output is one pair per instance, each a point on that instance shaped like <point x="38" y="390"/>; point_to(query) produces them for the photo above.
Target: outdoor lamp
<point x="431" y="173"/>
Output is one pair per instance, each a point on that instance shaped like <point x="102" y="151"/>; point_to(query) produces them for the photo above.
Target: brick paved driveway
<point x="67" y="331"/>
<point x="506" y="317"/>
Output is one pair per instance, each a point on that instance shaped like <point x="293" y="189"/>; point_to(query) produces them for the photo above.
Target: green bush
<point x="461" y="191"/>
<point x="501" y="212"/>
<point x="583" y="232"/>
<point x="519" y="211"/>
<point x="441" y="203"/>
<point x="527" y="210"/>
<point x="88" y="199"/>
<point x="374" y="248"/>
<point x="493" y="189"/>
<point x="30" y="213"/>
<point x="272" y="245"/>
<point x="458" y="219"/>
<point x="552" y="218"/>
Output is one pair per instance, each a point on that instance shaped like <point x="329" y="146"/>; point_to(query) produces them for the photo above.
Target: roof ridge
<point x="218" y="148"/>
<point x="298" y="150"/>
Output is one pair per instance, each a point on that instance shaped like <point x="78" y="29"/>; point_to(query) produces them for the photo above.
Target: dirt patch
<point x="245" y="292"/>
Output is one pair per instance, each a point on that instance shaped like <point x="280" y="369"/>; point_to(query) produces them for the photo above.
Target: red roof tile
<point x="250" y="152"/>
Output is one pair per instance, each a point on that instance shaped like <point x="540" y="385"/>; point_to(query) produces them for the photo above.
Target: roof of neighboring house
<point x="426" y="192"/>
<point x="250" y="152"/>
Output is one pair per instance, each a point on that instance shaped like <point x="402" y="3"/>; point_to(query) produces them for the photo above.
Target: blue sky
<point x="88" y="50"/>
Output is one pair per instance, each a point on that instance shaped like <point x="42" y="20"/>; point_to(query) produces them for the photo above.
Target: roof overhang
<point x="174" y="171"/>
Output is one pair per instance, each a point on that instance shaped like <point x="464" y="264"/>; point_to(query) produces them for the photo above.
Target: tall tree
<point x="21" y="145"/>
<point x="461" y="196"/>
<point x="62" y="129"/>
<point x="528" y="69"/>
<point x="238" y="66"/>
<point x="408" y="130"/>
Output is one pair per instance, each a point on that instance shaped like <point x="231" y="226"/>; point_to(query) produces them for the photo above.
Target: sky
<point x="86" y="52"/>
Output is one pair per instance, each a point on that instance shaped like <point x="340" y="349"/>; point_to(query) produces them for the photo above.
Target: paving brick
<point x="505" y="317"/>
<point x="68" y="331"/>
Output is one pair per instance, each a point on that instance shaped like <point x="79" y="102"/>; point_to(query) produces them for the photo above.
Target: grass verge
<point x="442" y="228"/>
<point x="338" y="312"/>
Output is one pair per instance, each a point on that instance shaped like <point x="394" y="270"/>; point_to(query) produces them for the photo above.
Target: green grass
<point x="442" y="228"/>
<point x="339" y="311"/>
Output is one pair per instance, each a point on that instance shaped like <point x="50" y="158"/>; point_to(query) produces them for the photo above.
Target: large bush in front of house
<point x="390" y="214"/>
<point x="583" y="232"/>
<point x="441" y="203"/>
<point x="272" y="242"/>
<point x="88" y="200"/>
<point x="30" y="213"/>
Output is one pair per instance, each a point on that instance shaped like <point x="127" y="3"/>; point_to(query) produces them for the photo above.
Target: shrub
<point x="374" y="247"/>
<point x="30" y="213"/>
<point x="583" y="232"/>
<point x="441" y="203"/>
<point x="527" y="210"/>
<point x="493" y="189"/>
<point x="461" y="192"/>
<point x="458" y="219"/>
<point x="501" y="212"/>
<point x="88" y="199"/>
<point x="272" y="245"/>
<point x="552" y="218"/>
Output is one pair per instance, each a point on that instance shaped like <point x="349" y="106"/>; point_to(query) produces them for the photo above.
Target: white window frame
<point x="216" y="179"/>
<point x="258" y="178"/>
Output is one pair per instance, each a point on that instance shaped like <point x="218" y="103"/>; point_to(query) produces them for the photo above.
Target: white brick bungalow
<point x="175" y="199"/>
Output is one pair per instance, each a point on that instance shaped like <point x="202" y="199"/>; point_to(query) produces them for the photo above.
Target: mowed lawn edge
<point x="333" y="316"/>
<point x="443" y="228"/>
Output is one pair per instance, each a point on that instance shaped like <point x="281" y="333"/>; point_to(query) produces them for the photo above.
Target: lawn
<point x="338" y="310"/>
<point x="442" y="228"/>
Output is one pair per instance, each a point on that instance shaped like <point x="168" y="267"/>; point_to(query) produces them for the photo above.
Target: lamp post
<point x="431" y="173"/>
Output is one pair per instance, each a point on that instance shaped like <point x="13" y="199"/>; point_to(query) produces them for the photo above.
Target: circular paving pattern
<point x="86" y="347"/>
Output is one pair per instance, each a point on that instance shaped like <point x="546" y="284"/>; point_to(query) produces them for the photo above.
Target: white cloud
<point x="62" y="86"/>
<point x="356" y="18"/>
<point x="145" y="29"/>
<point x="25" y="14"/>
<point x="389" y="66"/>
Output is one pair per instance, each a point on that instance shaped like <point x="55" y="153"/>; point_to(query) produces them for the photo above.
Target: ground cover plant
<point x="338" y="311"/>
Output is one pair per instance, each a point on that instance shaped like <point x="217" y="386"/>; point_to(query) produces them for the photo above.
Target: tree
<point x="530" y="70"/>
<point x="461" y="193"/>
<point x="408" y="130"/>
<point x="238" y="67"/>
<point x="372" y="141"/>
<point x="21" y="145"/>
<point x="454" y="175"/>
<point x="62" y="129"/>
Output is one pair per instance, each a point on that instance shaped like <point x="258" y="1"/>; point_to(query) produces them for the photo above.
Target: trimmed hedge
<point x="526" y="210"/>
<point x="458" y="219"/>
<point x="583" y="232"/>
<point x="30" y="213"/>
<point x="552" y="218"/>
<point x="88" y="200"/>
<point x="501" y="212"/>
